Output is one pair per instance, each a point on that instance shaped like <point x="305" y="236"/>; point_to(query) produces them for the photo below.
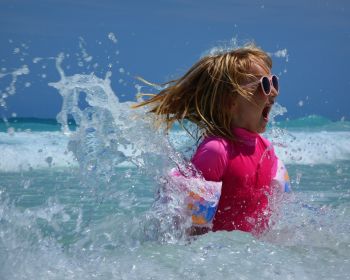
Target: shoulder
<point x="211" y="157"/>
<point x="215" y="144"/>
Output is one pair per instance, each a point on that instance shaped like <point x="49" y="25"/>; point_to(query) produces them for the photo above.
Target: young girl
<point x="229" y="97"/>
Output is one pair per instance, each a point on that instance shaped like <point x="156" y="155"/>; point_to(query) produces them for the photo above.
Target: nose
<point x="274" y="84"/>
<point x="272" y="96"/>
<point x="274" y="93"/>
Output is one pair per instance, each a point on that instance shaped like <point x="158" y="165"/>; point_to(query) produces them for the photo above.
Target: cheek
<point x="260" y="98"/>
<point x="248" y="110"/>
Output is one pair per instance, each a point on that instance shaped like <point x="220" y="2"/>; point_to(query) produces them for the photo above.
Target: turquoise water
<point x="71" y="210"/>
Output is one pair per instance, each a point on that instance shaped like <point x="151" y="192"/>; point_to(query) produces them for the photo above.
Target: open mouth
<point x="266" y="112"/>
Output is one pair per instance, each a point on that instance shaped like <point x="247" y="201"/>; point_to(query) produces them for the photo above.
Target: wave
<point x="22" y="151"/>
<point x="314" y="123"/>
<point x="308" y="123"/>
<point x="40" y="150"/>
<point x="323" y="147"/>
<point x="32" y="124"/>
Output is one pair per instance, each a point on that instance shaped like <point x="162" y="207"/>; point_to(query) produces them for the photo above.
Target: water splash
<point x="109" y="135"/>
<point x="112" y="37"/>
<point x="283" y="53"/>
<point x="11" y="87"/>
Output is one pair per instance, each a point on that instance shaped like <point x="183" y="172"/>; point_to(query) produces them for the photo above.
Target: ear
<point x="233" y="102"/>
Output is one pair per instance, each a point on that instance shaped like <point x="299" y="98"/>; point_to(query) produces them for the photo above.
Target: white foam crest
<point x="23" y="151"/>
<point x="323" y="147"/>
<point x="39" y="150"/>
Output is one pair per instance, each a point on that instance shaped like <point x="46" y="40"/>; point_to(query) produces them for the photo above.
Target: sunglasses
<point x="266" y="84"/>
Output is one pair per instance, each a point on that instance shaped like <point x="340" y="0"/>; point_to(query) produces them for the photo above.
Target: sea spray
<point x="10" y="89"/>
<point x="110" y="134"/>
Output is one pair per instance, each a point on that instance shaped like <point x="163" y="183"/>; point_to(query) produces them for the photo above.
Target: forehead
<point x="259" y="68"/>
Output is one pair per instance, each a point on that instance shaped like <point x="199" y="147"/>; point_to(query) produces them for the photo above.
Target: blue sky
<point x="159" y="40"/>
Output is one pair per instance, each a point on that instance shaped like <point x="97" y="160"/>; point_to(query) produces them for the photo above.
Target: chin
<point x="262" y="129"/>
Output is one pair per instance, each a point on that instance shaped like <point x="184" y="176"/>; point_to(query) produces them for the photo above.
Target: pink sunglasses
<point x="267" y="83"/>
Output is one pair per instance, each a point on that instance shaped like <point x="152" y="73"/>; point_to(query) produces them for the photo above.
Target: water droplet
<point x="49" y="160"/>
<point x="11" y="131"/>
<point x="112" y="37"/>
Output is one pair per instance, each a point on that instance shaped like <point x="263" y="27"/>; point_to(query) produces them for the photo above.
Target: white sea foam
<point x="38" y="150"/>
<point x="323" y="147"/>
<point x="34" y="150"/>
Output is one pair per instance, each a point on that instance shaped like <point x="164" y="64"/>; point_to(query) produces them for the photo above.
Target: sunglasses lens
<point x="265" y="85"/>
<point x="275" y="82"/>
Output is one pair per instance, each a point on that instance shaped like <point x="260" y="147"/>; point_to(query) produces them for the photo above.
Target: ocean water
<point x="77" y="196"/>
<point x="71" y="210"/>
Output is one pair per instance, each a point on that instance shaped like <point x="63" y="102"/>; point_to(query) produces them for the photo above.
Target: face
<point x="254" y="115"/>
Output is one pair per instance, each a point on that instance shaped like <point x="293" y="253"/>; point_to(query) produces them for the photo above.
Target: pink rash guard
<point x="246" y="168"/>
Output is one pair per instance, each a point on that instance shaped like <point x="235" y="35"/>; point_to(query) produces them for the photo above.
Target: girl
<point x="229" y="97"/>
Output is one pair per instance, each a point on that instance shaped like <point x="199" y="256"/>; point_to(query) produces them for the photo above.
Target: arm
<point x="281" y="177"/>
<point x="210" y="160"/>
<point x="200" y="198"/>
<point x="201" y="191"/>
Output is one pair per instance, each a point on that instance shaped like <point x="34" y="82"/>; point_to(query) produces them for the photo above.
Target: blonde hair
<point x="204" y="95"/>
